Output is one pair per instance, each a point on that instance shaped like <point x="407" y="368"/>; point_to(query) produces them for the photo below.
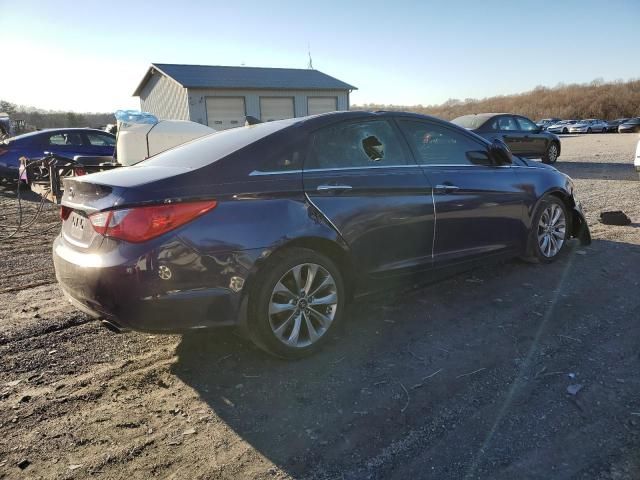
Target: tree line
<point x="36" y="119"/>
<point x="598" y="99"/>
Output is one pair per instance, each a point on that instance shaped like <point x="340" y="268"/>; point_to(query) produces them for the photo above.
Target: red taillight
<point x="64" y="213"/>
<point x="144" y="223"/>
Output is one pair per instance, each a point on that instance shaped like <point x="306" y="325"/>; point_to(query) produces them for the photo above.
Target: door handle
<point x="328" y="188"/>
<point x="446" y="188"/>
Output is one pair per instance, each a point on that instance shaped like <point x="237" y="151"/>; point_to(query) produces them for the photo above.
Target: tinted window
<point x="100" y="140"/>
<point x="211" y="148"/>
<point x="507" y="124"/>
<point x="526" y="124"/>
<point x="284" y="159"/>
<point x="439" y="145"/>
<point x="472" y="122"/>
<point x="365" y="144"/>
<point x="69" y="138"/>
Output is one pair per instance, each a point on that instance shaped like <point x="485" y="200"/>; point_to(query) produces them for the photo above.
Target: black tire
<point x="277" y="271"/>
<point x="552" y="153"/>
<point x="589" y="130"/>
<point x="565" y="130"/>
<point x="535" y="254"/>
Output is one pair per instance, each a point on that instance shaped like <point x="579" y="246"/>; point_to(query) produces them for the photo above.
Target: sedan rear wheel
<point x="298" y="301"/>
<point x="589" y="130"/>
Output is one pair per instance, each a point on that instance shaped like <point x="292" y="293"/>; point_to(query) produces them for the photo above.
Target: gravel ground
<point x="464" y="378"/>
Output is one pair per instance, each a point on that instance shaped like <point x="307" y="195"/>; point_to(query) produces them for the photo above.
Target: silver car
<point x="590" y="125"/>
<point x="562" y="126"/>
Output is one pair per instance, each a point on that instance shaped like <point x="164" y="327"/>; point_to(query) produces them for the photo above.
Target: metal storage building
<point x="222" y="97"/>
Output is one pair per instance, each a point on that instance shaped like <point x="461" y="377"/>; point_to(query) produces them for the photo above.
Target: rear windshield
<point x="633" y="121"/>
<point x="206" y="150"/>
<point x="470" y="121"/>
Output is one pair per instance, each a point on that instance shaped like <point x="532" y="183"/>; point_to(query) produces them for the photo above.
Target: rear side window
<point x="209" y="149"/>
<point x="283" y="156"/>
<point x="507" y="124"/>
<point x="362" y="144"/>
<point x="70" y="138"/>
<point x="437" y="145"/>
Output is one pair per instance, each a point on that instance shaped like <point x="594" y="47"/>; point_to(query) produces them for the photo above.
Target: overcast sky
<point x="90" y="55"/>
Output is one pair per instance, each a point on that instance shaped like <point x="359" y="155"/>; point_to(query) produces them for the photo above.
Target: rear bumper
<point x="132" y="295"/>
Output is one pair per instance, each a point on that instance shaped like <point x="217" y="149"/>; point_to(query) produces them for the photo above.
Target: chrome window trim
<point x="257" y="173"/>
<point x="435" y="226"/>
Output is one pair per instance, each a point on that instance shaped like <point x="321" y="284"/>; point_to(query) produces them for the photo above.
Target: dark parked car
<point x="67" y="142"/>
<point x="524" y="138"/>
<point x="273" y="227"/>
<point x="613" y="125"/>
<point x="630" y="126"/>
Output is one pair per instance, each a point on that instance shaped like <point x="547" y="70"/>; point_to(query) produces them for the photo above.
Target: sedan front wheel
<point x="549" y="230"/>
<point x="551" y="155"/>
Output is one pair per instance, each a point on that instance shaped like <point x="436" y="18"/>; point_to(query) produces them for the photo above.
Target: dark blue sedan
<point x="67" y="142"/>
<point x="274" y="227"/>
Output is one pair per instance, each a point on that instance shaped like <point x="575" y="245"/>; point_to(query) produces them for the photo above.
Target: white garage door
<point x="276" y="108"/>
<point x="316" y="105"/>
<point x="225" y="112"/>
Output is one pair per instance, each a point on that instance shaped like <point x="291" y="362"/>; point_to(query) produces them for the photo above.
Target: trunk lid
<point x="121" y="188"/>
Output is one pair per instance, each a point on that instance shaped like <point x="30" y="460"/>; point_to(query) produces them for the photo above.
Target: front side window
<point x="99" y="140"/>
<point x="526" y="125"/>
<point x="364" y="144"/>
<point x="438" y="145"/>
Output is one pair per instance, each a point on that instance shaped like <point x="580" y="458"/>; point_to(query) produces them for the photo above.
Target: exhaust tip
<point x="112" y="326"/>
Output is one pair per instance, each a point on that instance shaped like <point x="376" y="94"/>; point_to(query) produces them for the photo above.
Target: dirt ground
<point x="464" y="378"/>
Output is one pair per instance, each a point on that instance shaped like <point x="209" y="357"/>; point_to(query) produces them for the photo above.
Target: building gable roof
<point x="214" y="76"/>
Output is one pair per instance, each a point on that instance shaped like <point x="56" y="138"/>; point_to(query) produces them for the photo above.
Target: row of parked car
<point x="590" y="125"/>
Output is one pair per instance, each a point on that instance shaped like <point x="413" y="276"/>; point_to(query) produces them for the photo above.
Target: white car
<point x="590" y="125"/>
<point x="636" y="161"/>
<point x="562" y="126"/>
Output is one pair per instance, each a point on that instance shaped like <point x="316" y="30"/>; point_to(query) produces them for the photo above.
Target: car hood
<point x="540" y="165"/>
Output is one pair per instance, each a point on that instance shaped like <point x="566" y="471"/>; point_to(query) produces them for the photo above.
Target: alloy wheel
<point x="303" y="305"/>
<point x="551" y="230"/>
<point x="552" y="153"/>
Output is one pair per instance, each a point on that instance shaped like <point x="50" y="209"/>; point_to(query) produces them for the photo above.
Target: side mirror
<point x="539" y="129"/>
<point x="500" y="153"/>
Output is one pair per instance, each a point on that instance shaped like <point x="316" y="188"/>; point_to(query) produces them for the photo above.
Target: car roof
<point x="54" y="130"/>
<point x="316" y="121"/>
